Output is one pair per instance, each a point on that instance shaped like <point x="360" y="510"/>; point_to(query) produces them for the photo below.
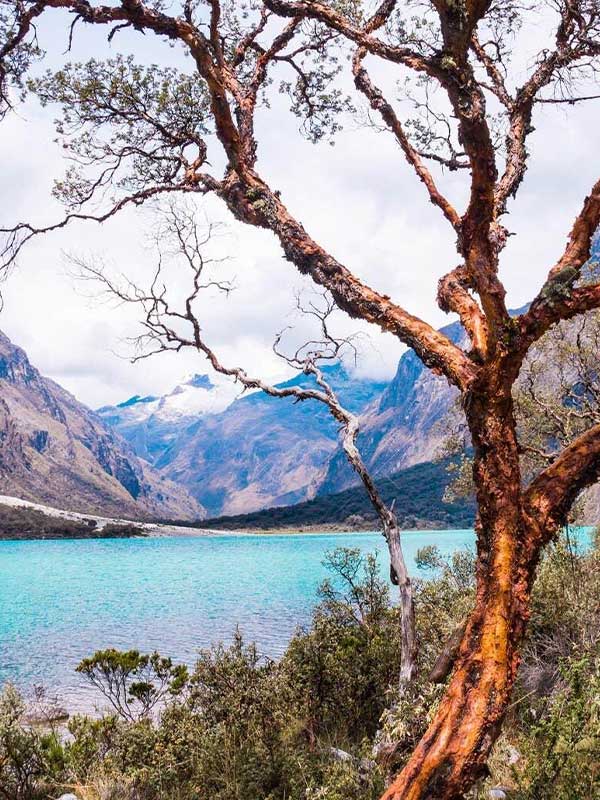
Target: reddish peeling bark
<point x="512" y="527"/>
<point x="454" y="750"/>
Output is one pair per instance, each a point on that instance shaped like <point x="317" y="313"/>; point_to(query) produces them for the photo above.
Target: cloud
<point x="359" y="199"/>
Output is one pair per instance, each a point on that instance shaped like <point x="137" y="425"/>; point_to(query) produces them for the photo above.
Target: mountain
<point x="55" y="450"/>
<point x="405" y="425"/>
<point x="259" y="451"/>
<point x="402" y="426"/>
<point x="417" y="493"/>
<point x="151" y="424"/>
<point x="262" y="451"/>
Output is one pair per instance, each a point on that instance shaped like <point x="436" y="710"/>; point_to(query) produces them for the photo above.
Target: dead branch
<point x="163" y="332"/>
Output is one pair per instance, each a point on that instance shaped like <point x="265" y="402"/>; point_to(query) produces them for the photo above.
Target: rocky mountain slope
<point x="151" y="424"/>
<point x="54" y="449"/>
<point x="403" y="426"/>
<point x="259" y="452"/>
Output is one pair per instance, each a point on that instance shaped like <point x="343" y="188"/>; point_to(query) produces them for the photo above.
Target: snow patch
<point x="197" y="395"/>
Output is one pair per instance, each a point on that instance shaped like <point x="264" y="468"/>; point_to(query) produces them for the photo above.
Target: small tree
<point x="133" y="683"/>
<point x="136" y="132"/>
<point x="26" y="754"/>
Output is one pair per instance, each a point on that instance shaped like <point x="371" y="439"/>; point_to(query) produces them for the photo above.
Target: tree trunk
<point x="398" y="572"/>
<point x="408" y="657"/>
<point x="452" y="754"/>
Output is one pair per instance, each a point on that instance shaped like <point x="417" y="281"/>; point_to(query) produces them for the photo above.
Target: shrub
<point x="562" y="750"/>
<point x="29" y="759"/>
<point x="120" y="530"/>
<point x="133" y="683"/>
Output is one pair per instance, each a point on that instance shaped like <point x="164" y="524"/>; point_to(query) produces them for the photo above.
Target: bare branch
<point x="498" y="86"/>
<point x="378" y="103"/>
<point x="577" y="38"/>
<point x="360" y="36"/>
<point x="162" y="334"/>
<point x="16" y="238"/>
<point x="568" y="100"/>
<point x="453" y="296"/>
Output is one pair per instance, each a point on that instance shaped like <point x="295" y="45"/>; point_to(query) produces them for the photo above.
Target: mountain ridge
<point x="55" y="449"/>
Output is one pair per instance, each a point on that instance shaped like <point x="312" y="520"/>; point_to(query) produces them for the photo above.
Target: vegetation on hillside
<point x="417" y="494"/>
<point x="320" y="723"/>
<point x="22" y="522"/>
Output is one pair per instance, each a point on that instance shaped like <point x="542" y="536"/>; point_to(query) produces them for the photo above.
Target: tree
<point x="134" y="683"/>
<point x="168" y="327"/>
<point x="136" y="132"/>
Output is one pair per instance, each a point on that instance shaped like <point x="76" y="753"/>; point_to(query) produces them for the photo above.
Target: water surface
<point x="62" y="600"/>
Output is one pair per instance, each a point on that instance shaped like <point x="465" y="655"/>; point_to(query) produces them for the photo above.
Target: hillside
<point x="55" y="450"/>
<point x="417" y="493"/>
<point x="151" y="424"/>
<point x="257" y="452"/>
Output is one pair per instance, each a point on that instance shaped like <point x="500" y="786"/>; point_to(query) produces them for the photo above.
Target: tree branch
<point x="453" y="296"/>
<point x="11" y="45"/>
<point x="378" y="103"/>
<point x="309" y="9"/>
<point x="498" y="86"/>
<point x="555" y="303"/>
<point x="18" y="236"/>
<point x="572" y="45"/>
<point x="258" y="205"/>
<point x="557" y="299"/>
<point x="552" y="493"/>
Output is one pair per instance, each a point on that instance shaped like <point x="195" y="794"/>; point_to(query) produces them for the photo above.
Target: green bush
<point x="561" y="751"/>
<point x="29" y="759"/>
<point x="340" y="671"/>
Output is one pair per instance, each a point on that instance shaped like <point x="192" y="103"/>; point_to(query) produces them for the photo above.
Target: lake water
<point x="62" y="600"/>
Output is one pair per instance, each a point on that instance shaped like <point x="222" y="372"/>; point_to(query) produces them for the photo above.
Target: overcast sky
<point x="358" y="199"/>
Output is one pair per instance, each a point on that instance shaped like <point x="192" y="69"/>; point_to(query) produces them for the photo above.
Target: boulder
<point x="499" y="793"/>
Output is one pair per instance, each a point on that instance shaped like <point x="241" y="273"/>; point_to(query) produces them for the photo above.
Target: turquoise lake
<point x="62" y="600"/>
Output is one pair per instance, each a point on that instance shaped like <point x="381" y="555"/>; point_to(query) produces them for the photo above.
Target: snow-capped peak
<point x="196" y="395"/>
<point x="198" y="381"/>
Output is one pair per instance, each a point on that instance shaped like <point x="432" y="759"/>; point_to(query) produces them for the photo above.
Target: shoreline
<point x="316" y="530"/>
<point x="159" y="530"/>
<point x="150" y="529"/>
